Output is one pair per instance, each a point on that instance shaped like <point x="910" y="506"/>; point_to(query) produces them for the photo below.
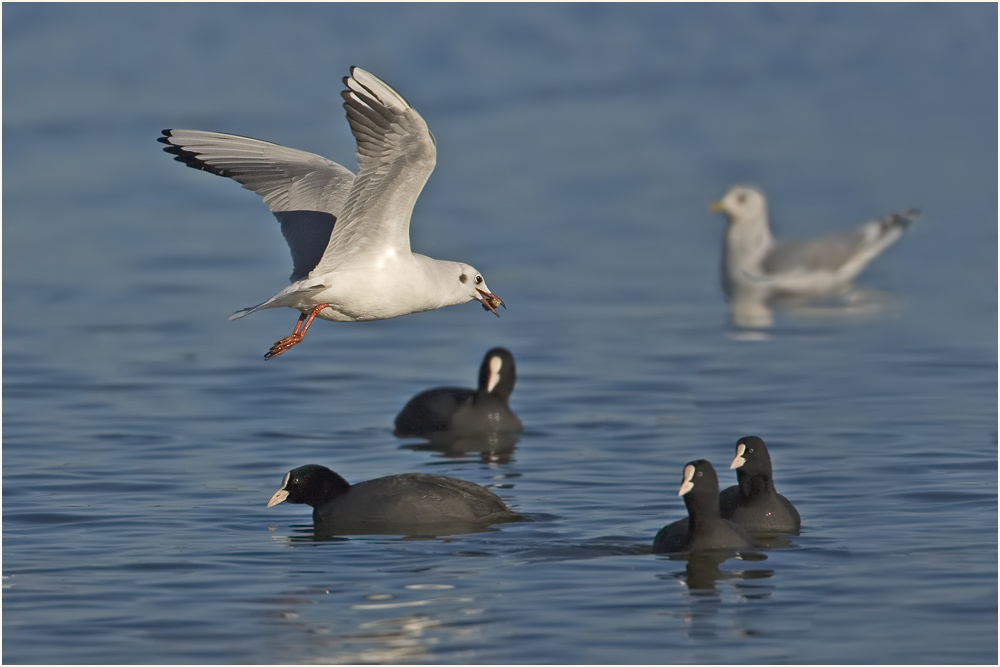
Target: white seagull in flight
<point x="349" y="234"/>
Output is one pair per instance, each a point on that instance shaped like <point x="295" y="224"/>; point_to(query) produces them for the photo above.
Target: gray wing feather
<point x="807" y="256"/>
<point x="396" y="155"/>
<point x="836" y="252"/>
<point x="306" y="192"/>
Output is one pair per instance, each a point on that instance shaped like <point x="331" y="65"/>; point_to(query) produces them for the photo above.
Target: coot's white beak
<point x="739" y="460"/>
<point x="687" y="484"/>
<point x="278" y="497"/>
<point x="495" y="364"/>
<point x="282" y="493"/>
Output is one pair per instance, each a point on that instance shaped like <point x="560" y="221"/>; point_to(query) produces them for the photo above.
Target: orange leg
<point x="298" y="333"/>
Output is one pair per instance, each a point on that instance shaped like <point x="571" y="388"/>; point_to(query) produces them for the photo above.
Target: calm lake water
<point x="578" y="150"/>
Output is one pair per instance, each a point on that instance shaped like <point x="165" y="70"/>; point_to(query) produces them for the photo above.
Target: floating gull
<point x="349" y="235"/>
<point x="756" y="268"/>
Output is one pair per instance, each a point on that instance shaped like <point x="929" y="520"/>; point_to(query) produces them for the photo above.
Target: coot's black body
<point x="704" y="528"/>
<point x="753" y="502"/>
<point x="407" y="504"/>
<point x="461" y="411"/>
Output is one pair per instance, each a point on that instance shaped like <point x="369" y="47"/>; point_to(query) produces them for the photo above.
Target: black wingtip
<point x="902" y="220"/>
<point x="187" y="157"/>
<point x="906" y="218"/>
<point x="349" y="76"/>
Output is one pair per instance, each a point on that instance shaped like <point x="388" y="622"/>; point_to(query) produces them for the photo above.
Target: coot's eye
<point x="479" y="280"/>
<point x="462" y="278"/>
<point x="699" y="473"/>
<point x="750" y="451"/>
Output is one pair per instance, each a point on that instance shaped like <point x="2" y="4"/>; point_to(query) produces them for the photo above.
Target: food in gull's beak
<point x="490" y="301"/>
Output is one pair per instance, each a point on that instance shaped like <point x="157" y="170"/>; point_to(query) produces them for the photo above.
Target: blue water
<point x="578" y="149"/>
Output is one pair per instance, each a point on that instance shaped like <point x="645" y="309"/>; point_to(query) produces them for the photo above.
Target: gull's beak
<point x="739" y="460"/>
<point x="717" y="207"/>
<point x="490" y="301"/>
<point x="687" y="484"/>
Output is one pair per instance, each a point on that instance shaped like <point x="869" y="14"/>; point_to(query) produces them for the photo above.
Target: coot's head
<point x="751" y="457"/>
<point x="497" y="374"/>
<point x="700" y="481"/>
<point x="309" y="485"/>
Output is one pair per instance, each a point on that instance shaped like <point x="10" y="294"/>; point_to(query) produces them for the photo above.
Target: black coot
<point x="704" y="528"/>
<point x="407" y="504"/>
<point x="753" y="503"/>
<point x="460" y="411"/>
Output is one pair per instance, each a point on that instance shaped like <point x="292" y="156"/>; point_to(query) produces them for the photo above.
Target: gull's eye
<point x="479" y="280"/>
<point x="741" y="198"/>
<point x="462" y="278"/>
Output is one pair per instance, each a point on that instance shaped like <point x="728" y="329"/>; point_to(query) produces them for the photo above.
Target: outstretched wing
<point x="306" y="192"/>
<point x="396" y="155"/>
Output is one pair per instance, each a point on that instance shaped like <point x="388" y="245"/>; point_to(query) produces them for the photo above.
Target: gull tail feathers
<point x="290" y="297"/>
<point x="883" y="232"/>
<point x="246" y="311"/>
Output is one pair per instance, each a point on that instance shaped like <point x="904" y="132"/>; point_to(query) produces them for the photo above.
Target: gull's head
<point x="474" y="286"/>
<point x="741" y="202"/>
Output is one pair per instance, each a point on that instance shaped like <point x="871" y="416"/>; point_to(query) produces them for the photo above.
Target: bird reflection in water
<point x="752" y="318"/>
<point x="702" y="570"/>
<point x="493" y="448"/>
<point x="704" y="601"/>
